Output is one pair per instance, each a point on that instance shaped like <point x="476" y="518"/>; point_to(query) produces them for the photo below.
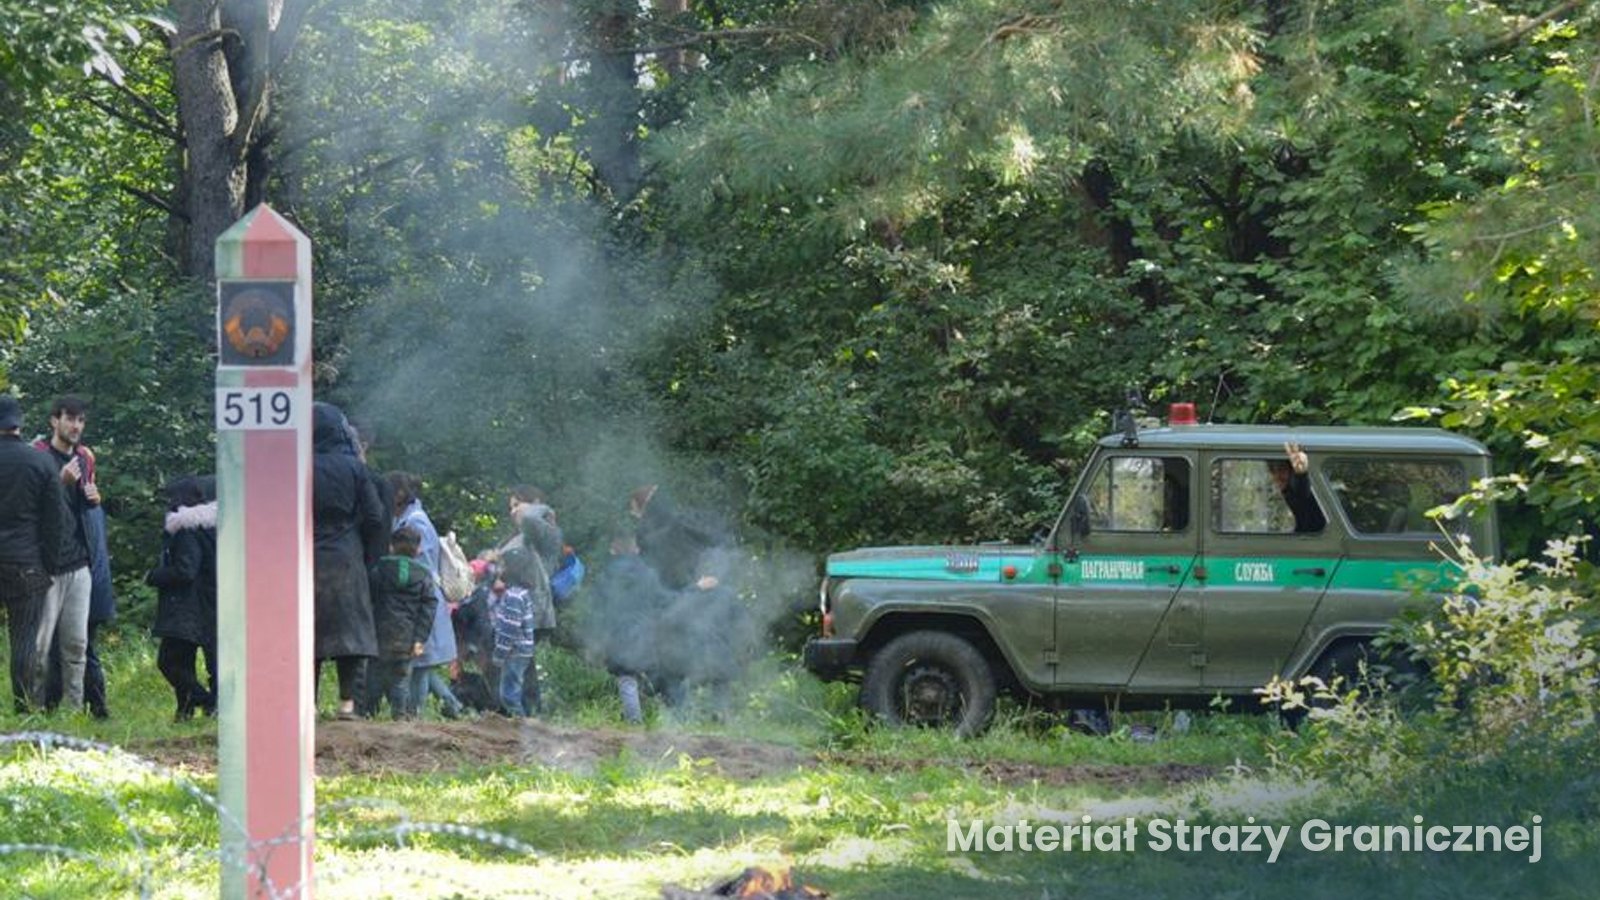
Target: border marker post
<point x="267" y="716"/>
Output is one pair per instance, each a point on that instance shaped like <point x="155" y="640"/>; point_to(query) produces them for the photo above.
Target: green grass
<point x="867" y="821"/>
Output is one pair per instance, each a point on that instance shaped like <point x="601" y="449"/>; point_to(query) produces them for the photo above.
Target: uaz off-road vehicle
<point x="1191" y="561"/>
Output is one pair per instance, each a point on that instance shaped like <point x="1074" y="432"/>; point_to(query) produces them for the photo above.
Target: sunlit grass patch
<point x="858" y="809"/>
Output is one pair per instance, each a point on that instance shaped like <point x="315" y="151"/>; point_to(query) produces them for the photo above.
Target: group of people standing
<point x="55" y="572"/>
<point x="381" y="616"/>
<point x="394" y="613"/>
<point x="384" y="617"/>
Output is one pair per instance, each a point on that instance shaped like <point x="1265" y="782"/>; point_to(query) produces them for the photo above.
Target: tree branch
<point x="257" y="53"/>
<point x="703" y="37"/>
<point x="158" y="121"/>
<point x="470" y="106"/>
<point x="144" y="124"/>
<point x="205" y="37"/>
<point x="157" y="202"/>
<point x="1516" y="35"/>
<point x="288" y="31"/>
<point x="1025" y="24"/>
<point x="1504" y="236"/>
<point x="1216" y="198"/>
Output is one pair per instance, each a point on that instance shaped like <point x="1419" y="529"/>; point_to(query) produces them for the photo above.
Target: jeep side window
<point x="1255" y="496"/>
<point x="1393" y="496"/>
<point x="1140" y="493"/>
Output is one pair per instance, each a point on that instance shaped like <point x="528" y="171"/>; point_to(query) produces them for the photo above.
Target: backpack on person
<point x="567" y="577"/>
<point x="455" y="573"/>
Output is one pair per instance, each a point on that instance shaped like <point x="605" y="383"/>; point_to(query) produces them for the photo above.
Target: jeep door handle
<point x="1314" y="570"/>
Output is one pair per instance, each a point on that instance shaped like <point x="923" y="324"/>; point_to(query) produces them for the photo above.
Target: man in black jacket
<point x="33" y="526"/>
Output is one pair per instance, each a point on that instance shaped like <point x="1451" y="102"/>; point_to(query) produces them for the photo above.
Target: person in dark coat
<point x="672" y="540"/>
<point x="102" y="611"/>
<point x="706" y="639"/>
<point x="621" y="623"/>
<point x="403" y="598"/>
<point x="33" y="521"/>
<point x="186" y="609"/>
<point x="350" y="528"/>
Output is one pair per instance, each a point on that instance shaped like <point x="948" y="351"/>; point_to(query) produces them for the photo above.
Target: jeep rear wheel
<point x="930" y="679"/>
<point x="1403" y="678"/>
<point x="1358" y="665"/>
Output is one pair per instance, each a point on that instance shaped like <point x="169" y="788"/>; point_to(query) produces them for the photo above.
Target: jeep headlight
<point x="827" y="614"/>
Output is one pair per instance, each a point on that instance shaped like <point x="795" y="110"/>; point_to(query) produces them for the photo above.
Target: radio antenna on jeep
<point x="1126" y="420"/>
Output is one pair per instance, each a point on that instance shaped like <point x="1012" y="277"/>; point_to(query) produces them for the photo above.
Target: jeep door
<point x="1266" y="560"/>
<point x="1131" y="541"/>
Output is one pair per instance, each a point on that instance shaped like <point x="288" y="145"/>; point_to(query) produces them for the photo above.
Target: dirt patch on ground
<point x="377" y="747"/>
<point x="381" y="747"/>
<point x="1009" y="772"/>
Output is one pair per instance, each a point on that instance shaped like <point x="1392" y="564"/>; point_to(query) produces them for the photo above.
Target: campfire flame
<point x="755" y="883"/>
<point x="758" y="882"/>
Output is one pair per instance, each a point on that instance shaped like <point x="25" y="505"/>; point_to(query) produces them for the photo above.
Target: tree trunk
<point x="675" y="61"/>
<point x="223" y="57"/>
<point x="612" y="135"/>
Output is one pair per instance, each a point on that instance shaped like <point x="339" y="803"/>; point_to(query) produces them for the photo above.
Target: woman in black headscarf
<point x="350" y="528"/>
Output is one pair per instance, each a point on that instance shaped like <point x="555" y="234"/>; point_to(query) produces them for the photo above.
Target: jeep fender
<point x="880" y="610"/>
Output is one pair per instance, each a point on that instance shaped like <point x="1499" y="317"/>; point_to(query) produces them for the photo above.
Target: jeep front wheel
<point x="930" y="678"/>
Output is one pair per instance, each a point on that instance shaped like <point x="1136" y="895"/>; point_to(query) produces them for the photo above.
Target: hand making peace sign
<point x="1297" y="457"/>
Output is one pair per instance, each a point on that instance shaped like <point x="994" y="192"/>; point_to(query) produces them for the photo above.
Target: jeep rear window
<point x="1140" y="493"/>
<point x="1393" y="496"/>
<point x="1247" y="499"/>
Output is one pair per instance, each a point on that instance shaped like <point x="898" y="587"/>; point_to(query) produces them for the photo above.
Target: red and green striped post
<point x="264" y="557"/>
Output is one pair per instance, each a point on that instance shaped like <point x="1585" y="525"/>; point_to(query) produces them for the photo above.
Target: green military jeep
<point x="1191" y="561"/>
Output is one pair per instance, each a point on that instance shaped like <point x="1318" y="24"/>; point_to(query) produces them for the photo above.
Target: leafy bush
<point x="1512" y="655"/>
<point x="1514" y="650"/>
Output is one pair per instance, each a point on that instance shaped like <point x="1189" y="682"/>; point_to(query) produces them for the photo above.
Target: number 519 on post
<point x="255" y="409"/>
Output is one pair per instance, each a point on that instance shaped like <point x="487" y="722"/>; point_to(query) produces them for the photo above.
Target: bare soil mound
<point x="374" y="747"/>
<point x="382" y="747"/>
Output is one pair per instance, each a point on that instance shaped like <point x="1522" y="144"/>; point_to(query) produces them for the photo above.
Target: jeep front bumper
<point x="830" y="658"/>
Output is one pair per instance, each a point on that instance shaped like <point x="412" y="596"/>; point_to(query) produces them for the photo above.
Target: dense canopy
<point x="860" y="270"/>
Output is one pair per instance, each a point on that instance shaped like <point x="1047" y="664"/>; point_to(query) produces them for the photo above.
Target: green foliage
<point x="138" y="359"/>
<point x="38" y="42"/>
<point x="974" y="243"/>
<point x="1515" y="651"/>
<point x="69" y="228"/>
<point x="889" y="263"/>
<point x="1523" y="251"/>
<point x="1513" y="659"/>
<point x="1001" y="89"/>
